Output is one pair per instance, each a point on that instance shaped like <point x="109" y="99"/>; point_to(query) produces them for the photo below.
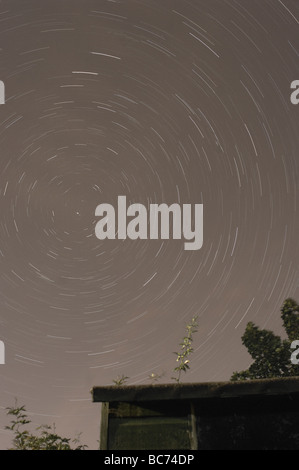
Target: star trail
<point x="175" y="102"/>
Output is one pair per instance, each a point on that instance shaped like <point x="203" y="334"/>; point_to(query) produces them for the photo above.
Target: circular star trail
<point x="178" y="101"/>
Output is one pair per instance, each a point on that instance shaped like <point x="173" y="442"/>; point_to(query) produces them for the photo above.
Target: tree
<point x="271" y="354"/>
<point x="46" y="440"/>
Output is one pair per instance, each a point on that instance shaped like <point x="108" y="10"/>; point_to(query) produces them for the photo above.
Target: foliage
<point x="271" y="354"/>
<point x="155" y="377"/>
<point x="182" y="357"/>
<point x="47" y="439"/>
<point x="186" y="350"/>
<point x="119" y="381"/>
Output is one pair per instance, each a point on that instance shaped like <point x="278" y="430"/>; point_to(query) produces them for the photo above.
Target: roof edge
<point x="174" y="391"/>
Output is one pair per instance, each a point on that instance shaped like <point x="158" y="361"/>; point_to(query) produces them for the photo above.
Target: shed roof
<point x="174" y="391"/>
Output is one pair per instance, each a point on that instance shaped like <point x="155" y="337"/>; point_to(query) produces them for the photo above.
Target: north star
<point x="121" y="460"/>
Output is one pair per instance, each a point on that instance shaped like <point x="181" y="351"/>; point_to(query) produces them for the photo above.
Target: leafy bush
<point x="46" y="439"/>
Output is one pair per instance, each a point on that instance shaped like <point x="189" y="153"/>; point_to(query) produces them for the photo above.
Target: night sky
<point x="169" y="101"/>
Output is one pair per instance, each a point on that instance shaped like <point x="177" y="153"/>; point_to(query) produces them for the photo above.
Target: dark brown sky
<point x="162" y="101"/>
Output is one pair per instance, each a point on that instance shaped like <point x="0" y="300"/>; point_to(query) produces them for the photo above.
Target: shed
<point x="255" y="414"/>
